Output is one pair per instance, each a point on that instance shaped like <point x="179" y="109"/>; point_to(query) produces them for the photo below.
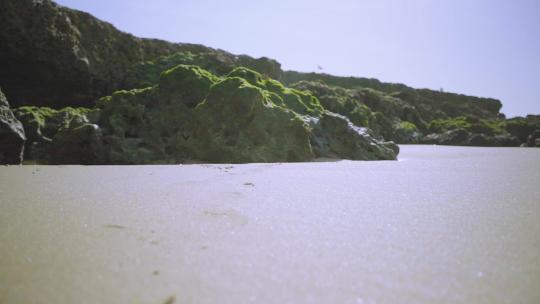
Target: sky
<point x="488" y="48"/>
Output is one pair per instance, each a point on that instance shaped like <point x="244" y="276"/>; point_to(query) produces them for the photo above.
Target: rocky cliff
<point x="55" y="56"/>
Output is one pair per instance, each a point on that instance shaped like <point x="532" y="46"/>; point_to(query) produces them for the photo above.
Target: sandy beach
<point x="441" y="225"/>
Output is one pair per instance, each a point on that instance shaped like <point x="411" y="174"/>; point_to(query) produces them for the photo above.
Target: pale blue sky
<point x="487" y="48"/>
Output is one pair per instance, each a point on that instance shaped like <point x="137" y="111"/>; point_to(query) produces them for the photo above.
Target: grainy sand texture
<point x="441" y="225"/>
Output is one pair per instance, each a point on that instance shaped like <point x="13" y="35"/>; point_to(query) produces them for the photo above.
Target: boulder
<point x="239" y="122"/>
<point x="79" y="143"/>
<point x="42" y="123"/>
<point x="12" y="135"/>
<point x="457" y="137"/>
<point x="534" y="139"/>
<point x="142" y="126"/>
<point x="335" y="136"/>
<point x="406" y="133"/>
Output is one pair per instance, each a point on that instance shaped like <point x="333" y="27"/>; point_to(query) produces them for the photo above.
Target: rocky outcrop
<point x="462" y="137"/>
<point x="522" y="127"/>
<point x="533" y="140"/>
<point x="429" y="103"/>
<point x="239" y="122"/>
<point x="192" y="114"/>
<point x="12" y="135"/>
<point x="458" y="137"/>
<point x="335" y="136"/>
<point x="41" y="125"/>
<point x="147" y="73"/>
<point x="386" y="115"/>
<point x="159" y="100"/>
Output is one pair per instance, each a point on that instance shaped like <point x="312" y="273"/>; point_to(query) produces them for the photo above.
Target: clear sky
<point x="488" y="48"/>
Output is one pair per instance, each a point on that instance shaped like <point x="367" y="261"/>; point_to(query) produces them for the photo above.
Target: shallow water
<point x="441" y="225"/>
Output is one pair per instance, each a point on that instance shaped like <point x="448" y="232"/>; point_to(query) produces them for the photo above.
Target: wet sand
<point x="441" y="225"/>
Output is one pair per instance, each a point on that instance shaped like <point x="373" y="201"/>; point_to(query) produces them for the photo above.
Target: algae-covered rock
<point x="239" y="122"/>
<point x="147" y="73"/>
<point x="429" y="104"/>
<point x="386" y="115"/>
<point x="186" y="84"/>
<point x="192" y="114"/>
<point x="456" y="137"/>
<point x="335" y="136"/>
<point x="407" y="133"/>
<point x="143" y="125"/>
<point x="12" y="135"/>
<point x="296" y="100"/>
<point x="42" y="123"/>
<point x="264" y="65"/>
<point x="76" y="144"/>
<point x="338" y="100"/>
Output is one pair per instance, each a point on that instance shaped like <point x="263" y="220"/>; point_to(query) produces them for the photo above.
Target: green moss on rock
<point x="185" y="83"/>
<point x="238" y="122"/>
<point x="338" y="100"/>
<point x="42" y="123"/>
<point x="407" y="133"/>
<point x="299" y="101"/>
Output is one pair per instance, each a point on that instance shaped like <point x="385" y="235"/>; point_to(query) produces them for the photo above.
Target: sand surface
<point x="441" y="225"/>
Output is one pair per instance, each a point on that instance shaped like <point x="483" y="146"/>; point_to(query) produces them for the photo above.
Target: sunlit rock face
<point x="335" y="136"/>
<point x="12" y="135"/>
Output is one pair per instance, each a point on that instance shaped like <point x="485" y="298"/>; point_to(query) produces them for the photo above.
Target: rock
<point x="534" y="139"/>
<point x="12" y="135"/>
<point x="243" y="117"/>
<point x="338" y="100"/>
<point x="185" y="84"/>
<point x="430" y="104"/>
<point x="458" y="137"/>
<point x="76" y="144"/>
<point x="221" y="63"/>
<point x="193" y="114"/>
<point x="55" y="56"/>
<point x="505" y="141"/>
<point x="142" y="126"/>
<point x="334" y="135"/>
<point x="520" y="127"/>
<point x="482" y="140"/>
<point x="238" y="122"/>
<point x="42" y="123"/>
<point x="299" y="101"/>
<point x="263" y="65"/>
<point x="406" y="133"/>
